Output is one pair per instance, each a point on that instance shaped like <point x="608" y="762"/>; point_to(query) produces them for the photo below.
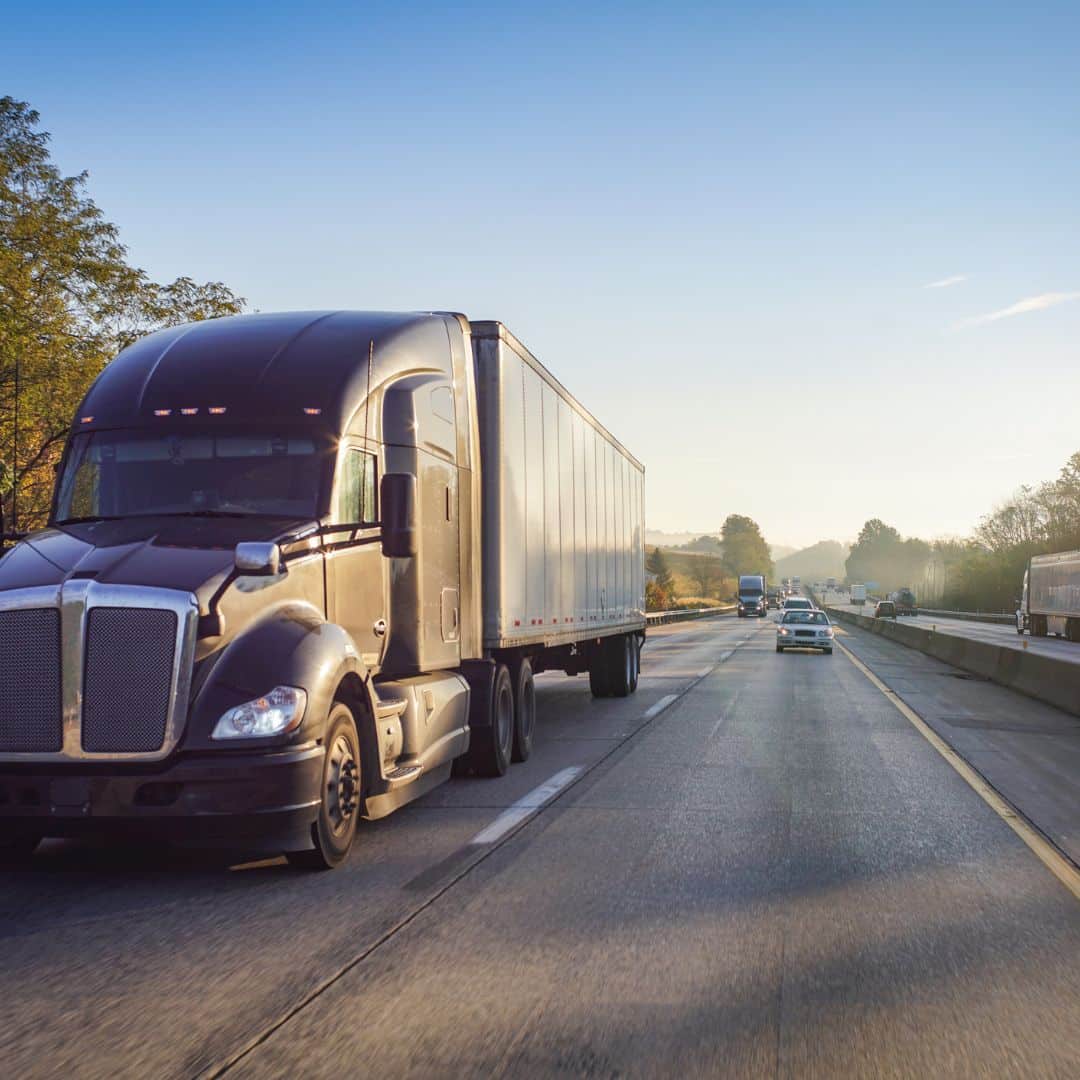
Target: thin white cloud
<point x="944" y="283"/>
<point x="1022" y="307"/>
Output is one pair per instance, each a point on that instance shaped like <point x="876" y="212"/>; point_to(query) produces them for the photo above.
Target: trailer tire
<point x="599" y="683"/>
<point x="621" y="671"/>
<point x="521" y="675"/>
<point x="334" y="830"/>
<point x="635" y="654"/>
<point x="492" y="744"/>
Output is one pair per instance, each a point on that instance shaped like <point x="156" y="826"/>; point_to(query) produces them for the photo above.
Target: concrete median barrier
<point x="1045" y="678"/>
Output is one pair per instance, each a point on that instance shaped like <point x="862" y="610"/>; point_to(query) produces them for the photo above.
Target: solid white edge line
<point x="1039" y="846"/>
<point x="526" y="806"/>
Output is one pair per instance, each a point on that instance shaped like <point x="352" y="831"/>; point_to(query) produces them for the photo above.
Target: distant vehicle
<point x="802" y="629"/>
<point x="885" y="609"/>
<point x="796" y="582"/>
<point x="858" y="595"/>
<point x="773" y="598"/>
<point x="1050" y="602"/>
<point x="905" y="602"/>
<point x="830" y="583"/>
<point x="798" y="603"/>
<point x="752" y="595"/>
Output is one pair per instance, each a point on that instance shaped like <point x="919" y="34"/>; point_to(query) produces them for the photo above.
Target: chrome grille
<point x="128" y="679"/>
<point x="30" y="702"/>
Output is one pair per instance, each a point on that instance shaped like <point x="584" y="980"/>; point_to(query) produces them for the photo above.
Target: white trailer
<point x="562" y="504"/>
<point x="1050" y="603"/>
<point x="858" y="595"/>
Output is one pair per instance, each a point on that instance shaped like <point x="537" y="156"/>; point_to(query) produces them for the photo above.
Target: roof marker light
<point x="189" y="412"/>
<point x="216" y="410"/>
<point x="310" y="411"/>
<point x="163" y="412"/>
<point x="86" y="420"/>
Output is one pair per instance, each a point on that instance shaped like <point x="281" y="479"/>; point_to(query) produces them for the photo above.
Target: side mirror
<point x="255" y="557"/>
<point x="397" y="500"/>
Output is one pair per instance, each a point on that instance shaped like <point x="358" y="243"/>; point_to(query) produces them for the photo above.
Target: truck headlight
<point x="273" y="714"/>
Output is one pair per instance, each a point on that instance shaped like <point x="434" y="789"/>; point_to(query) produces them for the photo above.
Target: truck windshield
<point x="110" y="474"/>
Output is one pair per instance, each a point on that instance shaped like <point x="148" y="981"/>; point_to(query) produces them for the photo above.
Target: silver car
<point x="801" y="629"/>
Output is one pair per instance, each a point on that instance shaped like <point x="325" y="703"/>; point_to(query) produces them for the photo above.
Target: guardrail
<point x="658" y="618"/>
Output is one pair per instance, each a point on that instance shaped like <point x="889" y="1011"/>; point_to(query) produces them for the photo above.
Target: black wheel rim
<point x="342" y="786"/>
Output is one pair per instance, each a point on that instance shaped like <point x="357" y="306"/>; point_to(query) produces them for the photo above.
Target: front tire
<point x="334" y="830"/>
<point x="524" y="709"/>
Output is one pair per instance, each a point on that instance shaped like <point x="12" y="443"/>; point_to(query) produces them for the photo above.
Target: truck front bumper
<point x="266" y="800"/>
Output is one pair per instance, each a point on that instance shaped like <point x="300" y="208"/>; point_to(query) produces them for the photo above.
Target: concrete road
<point x="756" y="866"/>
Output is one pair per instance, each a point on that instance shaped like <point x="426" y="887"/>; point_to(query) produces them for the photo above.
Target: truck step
<point x="388" y="707"/>
<point x="402" y="775"/>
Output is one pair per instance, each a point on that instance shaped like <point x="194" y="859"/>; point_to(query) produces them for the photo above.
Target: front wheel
<point x="333" y="832"/>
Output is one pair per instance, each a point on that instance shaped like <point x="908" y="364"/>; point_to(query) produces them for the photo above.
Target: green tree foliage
<point x="657" y="564"/>
<point x="745" y="550"/>
<point x="880" y="554"/>
<point x="69" y="301"/>
<point x="707" y="573"/>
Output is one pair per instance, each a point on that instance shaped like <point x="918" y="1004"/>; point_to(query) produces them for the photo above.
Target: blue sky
<point x="716" y="223"/>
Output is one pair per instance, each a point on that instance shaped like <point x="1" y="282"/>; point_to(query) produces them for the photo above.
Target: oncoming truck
<point x="1050" y="600"/>
<point x="298" y="568"/>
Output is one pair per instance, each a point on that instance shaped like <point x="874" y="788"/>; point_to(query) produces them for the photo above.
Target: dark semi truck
<point x="298" y="568"/>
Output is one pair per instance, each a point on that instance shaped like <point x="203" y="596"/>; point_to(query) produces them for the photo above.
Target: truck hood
<point x="160" y="552"/>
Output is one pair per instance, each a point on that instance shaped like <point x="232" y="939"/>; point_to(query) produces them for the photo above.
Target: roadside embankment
<point x="1041" y="677"/>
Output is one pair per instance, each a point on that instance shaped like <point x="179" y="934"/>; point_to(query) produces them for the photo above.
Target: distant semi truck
<point x="752" y="599"/>
<point x="905" y="602"/>
<point x="858" y="595"/>
<point x="298" y="567"/>
<point x="1050" y="600"/>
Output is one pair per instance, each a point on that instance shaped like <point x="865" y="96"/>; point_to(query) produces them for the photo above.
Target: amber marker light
<point x="311" y="411"/>
<point x="86" y="420"/>
<point x="163" y="412"/>
<point x="216" y="410"/>
<point x="189" y="412"/>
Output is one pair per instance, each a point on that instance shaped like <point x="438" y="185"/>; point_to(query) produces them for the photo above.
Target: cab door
<point x="356" y="572"/>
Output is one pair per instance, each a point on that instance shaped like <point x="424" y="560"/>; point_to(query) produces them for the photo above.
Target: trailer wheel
<point x="521" y="675"/>
<point x="492" y="744"/>
<point x="635" y="653"/>
<point x="339" y="810"/>
<point x="621" y="670"/>
<point x="599" y="682"/>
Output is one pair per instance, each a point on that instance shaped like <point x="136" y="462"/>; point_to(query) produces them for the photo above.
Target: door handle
<point x="380" y="628"/>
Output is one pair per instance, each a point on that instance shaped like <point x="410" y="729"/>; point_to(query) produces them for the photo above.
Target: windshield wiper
<point x="86" y="519"/>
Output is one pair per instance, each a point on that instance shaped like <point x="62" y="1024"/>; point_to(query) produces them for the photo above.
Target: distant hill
<point x="658" y="538"/>
<point x="822" y="560"/>
<point x="779" y="551"/>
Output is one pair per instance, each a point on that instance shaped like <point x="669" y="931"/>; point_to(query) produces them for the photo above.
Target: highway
<point x="995" y="633"/>
<point x="756" y="866"/>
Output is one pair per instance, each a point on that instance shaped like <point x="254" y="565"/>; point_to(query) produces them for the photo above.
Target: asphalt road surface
<point x="756" y="866"/>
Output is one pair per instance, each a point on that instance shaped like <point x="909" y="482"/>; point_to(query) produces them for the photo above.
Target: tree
<point x="745" y="549"/>
<point x="706" y="571"/>
<point x="68" y="302"/>
<point x="657" y="564"/>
